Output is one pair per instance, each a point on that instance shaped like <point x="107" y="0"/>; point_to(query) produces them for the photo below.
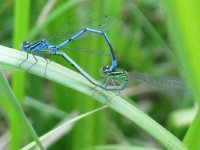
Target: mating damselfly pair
<point x="114" y="78"/>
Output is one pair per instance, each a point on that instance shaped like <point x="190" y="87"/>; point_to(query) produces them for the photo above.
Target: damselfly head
<point x="25" y="46"/>
<point x="105" y="70"/>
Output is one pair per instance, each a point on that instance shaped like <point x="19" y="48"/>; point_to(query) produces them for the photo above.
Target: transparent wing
<point x="97" y="52"/>
<point x="171" y="85"/>
<point x="103" y="23"/>
<point x="85" y="16"/>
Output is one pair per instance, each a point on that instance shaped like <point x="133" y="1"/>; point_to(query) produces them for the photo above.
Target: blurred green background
<point x="140" y="38"/>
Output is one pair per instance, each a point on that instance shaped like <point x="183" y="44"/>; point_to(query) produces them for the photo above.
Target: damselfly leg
<point x="27" y="54"/>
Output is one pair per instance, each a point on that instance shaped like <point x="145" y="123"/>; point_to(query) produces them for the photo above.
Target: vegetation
<point x="64" y="111"/>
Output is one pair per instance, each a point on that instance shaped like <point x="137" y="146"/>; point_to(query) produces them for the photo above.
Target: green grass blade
<point x="20" y="32"/>
<point x="152" y="31"/>
<point x="61" y="128"/>
<point x="44" y="108"/>
<point x="120" y="147"/>
<point x="192" y="136"/>
<point x="183" y="22"/>
<point x="14" y="104"/>
<point x="21" y="21"/>
<point x="69" y="78"/>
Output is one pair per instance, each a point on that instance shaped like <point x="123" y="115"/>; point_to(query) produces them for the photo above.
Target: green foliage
<point x="15" y="108"/>
<point x="184" y="28"/>
<point x="159" y="38"/>
<point x="20" y="32"/>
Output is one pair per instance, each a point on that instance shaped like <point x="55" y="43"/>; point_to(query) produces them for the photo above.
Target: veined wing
<point x="166" y="84"/>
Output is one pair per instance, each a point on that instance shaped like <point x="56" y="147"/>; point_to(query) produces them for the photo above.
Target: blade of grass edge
<point x="4" y="85"/>
<point x="183" y="22"/>
<point x="120" y="147"/>
<point x="60" y="127"/>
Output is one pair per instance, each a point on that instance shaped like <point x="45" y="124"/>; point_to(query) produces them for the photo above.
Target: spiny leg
<point x="24" y="60"/>
<point x="105" y="82"/>
<point x="118" y="91"/>
<point x="45" y="71"/>
<point x="114" y="84"/>
<point x="33" y="63"/>
<point x="113" y="80"/>
<point x="94" y="88"/>
<point x="47" y="62"/>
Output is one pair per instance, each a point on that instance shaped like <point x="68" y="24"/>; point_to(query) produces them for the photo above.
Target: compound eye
<point x="106" y="69"/>
<point x="25" y="45"/>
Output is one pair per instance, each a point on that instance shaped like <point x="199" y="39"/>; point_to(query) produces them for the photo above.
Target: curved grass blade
<point x="56" y="133"/>
<point x="13" y="102"/>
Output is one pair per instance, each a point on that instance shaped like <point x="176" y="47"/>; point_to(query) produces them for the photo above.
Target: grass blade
<point x="183" y="23"/>
<point x="61" y="128"/>
<point x="4" y="86"/>
<point x="21" y="21"/>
